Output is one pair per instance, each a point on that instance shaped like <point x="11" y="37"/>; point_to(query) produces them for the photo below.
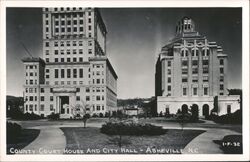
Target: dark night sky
<point x="135" y="37"/>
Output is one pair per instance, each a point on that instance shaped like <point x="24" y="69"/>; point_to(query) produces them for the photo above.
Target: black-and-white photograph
<point x="127" y="80"/>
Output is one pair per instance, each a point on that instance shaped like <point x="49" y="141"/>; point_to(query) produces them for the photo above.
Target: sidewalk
<point x="204" y="142"/>
<point x="51" y="140"/>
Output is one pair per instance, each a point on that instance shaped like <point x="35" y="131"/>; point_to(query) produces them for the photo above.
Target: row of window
<point x="31" y="67"/>
<point x="194" y="62"/>
<point x="62" y="60"/>
<point x="195" y="79"/>
<point x="195" y="52"/>
<point x="67" y="43"/>
<point x="31" y="82"/>
<point x="66" y="9"/>
<point x="32" y="107"/>
<point x="97" y="98"/>
<point x="31" y="74"/>
<point x="68" y="51"/>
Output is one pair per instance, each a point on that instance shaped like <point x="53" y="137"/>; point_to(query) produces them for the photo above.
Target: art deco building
<point x="74" y="69"/>
<point x="191" y="72"/>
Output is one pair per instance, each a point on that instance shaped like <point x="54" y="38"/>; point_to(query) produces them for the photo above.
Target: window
<point x="195" y="79"/>
<point x="47" y="52"/>
<point x="195" y="70"/>
<point x="31" y="107"/>
<point x="77" y="98"/>
<point x="56" y="73"/>
<point x="194" y="91"/>
<point x="205" y="70"/>
<point x="42" y="107"/>
<point x="98" y="98"/>
<point x="80" y="59"/>
<point x="169" y="88"/>
<point x="183" y="53"/>
<point x="77" y="89"/>
<point x="98" y="81"/>
<point x="204" y="62"/>
<point x="221" y="78"/>
<point x="31" y="98"/>
<point x="185" y="71"/>
<point x="74" y="59"/>
<point x="51" y="107"/>
<point x="51" y="98"/>
<point x="81" y="29"/>
<point x="51" y="90"/>
<point x="56" y="59"/>
<point x="47" y="76"/>
<point x="42" y="90"/>
<point x="229" y="109"/>
<point x="68" y="22"/>
<point x="68" y="73"/>
<point x="169" y="63"/>
<point x="87" y="89"/>
<point x="87" y="98"/>
<point x="46" y="44"/>
<point x="221" y="87"/>
<point x="68" y="29"/>
<point x="74" y="73"/>
<point x="80" y="51"/>
<point x="74" y="51"/>
<point x="221" y="70"/>
<point x="62" y="73"/>
<point x="205" y="78"/>
<point x="56" y="52"/>
<point x="169" y="80"/>
<point x="62" y="59"/>
<point x="184" y="80"/>
<point x="31" y="82"/>
<point x="62" y="52"/>
<point x="194" y="62"/>
<point x="81" y="73"/>
<point x="169" y="71"/>
<point x="90" y="51"/>
<point x="89" y="27"/>
<point x="184" y="63"/>
<point x="89" y="20"/>
<point x="184" y="91"/>
<point x="221" y="62"/>
<point x="68" y="59"/>
<point x="205" y="91"/>
<point x="47" y="59"/>
<point x="68" y="51"/>
<point x="68" y="43"/>
<point x="42" y="98"/>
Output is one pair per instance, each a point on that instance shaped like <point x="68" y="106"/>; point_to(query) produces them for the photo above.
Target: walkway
<point x="51" y="140"/>
<point x="203" y="144"/>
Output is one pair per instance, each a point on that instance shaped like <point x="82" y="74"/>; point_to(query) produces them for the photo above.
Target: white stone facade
<point x="74" y="69"/>
<point x="190" y="71"/>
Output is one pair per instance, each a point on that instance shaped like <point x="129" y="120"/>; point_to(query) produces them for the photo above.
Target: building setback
<point x="74" y="70"/>
<point x="191" y="73"/>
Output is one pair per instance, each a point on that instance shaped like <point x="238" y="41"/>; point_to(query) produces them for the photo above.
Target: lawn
<point x="90" y="140"/>
<point x="26" y="137"/>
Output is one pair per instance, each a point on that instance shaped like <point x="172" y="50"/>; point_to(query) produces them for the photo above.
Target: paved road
<point x="52" y="138"/>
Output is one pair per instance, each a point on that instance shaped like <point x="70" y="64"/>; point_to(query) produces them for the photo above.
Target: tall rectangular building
<point x="75" y="69"/>
<point x="191" y="72"/>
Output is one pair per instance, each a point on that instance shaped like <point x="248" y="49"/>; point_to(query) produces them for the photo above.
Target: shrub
<point x="101" y="115"/>
<point x="234" y="118"/>
<point x="13" y="131"/>
<point x="131" y="128"/>
<point x="54" y="116"/>
<point x="107" y="114"/>
<point x="94" y="115"/>
<point x="31" y="116"/>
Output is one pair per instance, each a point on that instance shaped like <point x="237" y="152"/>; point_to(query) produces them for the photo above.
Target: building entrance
<point x="64" y="104"/>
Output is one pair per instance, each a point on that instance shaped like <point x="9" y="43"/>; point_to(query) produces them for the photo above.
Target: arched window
<point x="195" y="52"/>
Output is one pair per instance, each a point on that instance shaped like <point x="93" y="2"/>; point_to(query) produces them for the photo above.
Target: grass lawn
<point x="26" y="137"/>
<point x="91" y="138"/>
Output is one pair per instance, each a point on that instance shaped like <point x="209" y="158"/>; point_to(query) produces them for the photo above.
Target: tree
<point x="236" y="92"/>
<point x="82" y="110"/>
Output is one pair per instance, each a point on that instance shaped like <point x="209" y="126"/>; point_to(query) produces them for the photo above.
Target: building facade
<point x="74" y="70"/>
<point x="191" y="73"/>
